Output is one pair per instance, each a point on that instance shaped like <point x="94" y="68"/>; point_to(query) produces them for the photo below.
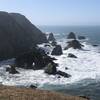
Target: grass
<point x="13" y="93"/>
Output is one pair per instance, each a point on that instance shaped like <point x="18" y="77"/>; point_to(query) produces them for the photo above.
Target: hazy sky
<point x="56" y="12"/>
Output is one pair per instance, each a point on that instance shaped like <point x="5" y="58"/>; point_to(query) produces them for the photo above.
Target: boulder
<point x="57" y="50"/>
<point x="63" y="74"/>
<point x="12" y="69"/>
<point x="72" y="55"/>
<point x="81" y="37"/>
<point x="17" y="35"/>
<point x="71" y="35"/>
<point x="74" y="44"/>
<point x="51" y="37"/>
<point x="50" y="69"/>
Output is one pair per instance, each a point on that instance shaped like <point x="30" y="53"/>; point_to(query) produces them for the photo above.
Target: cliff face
<point x="17" y="35"/>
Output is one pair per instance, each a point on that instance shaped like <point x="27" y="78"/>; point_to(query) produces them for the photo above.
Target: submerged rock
<point x="74" y="44"/>
<point x="57" y="50"/>
<point x="95" y="45"/>
<point x="51" y="37"/>
<point x="71" y="35"/>
<point x="72" y="55"/>
<point x="81" y="37"/>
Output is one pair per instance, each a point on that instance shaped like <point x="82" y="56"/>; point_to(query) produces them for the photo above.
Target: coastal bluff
<point x="14" y="93"/>
<point x="17" y="35"/>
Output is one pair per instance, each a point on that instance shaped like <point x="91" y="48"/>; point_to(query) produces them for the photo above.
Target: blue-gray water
<point x="93" y="32"/>
<point x="87" y="87"/>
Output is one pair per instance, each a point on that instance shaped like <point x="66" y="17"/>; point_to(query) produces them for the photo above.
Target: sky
<point x="56" y="12"/>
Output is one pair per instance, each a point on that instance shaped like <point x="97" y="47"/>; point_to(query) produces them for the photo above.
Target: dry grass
<point x="13" y="93"/>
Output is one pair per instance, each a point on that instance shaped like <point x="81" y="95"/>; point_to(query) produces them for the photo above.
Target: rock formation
<point x="17" y="35"/>
<point x="71" y="35"/>
<point x="74" y="44"/>
<point x="57" y="50"/>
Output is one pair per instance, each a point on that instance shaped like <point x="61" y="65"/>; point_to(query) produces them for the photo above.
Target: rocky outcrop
<point x="74" y="44"/>
<point x="81" y="37"/>
<point x="72" y="55"/>
<point x="35" y="59"/>
<point x="63" y="74"/>
<point x="17" y="35"/>
<point x="50" y="69"/>
<point x="12" y="69"/>
<point x="71" y="35"/>
<point x="57" y="50"/>
<point x="51" y="37"/>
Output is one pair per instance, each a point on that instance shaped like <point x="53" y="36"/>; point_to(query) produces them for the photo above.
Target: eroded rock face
<point x="74" y="44"/>
<point x="57" y="50"/>
<point x="17" y="35"/>
<point x="71" y="35"/>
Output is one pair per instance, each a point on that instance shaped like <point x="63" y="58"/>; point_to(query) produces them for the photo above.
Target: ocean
<point x="87" y="68"/>
<point x="84" y="70"/>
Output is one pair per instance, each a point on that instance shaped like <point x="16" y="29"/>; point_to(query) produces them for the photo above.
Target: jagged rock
<point x="74" y="44"/>
<point x="72" y="55"/>
<point x="17" y="35"/>
<point x="51" y="37"/>
<point x="36" y="56"/>
<point x="63" y="74"/>
<point x="71" y="35"/>
<point x="12" y="69"/>
<point x="53" y="43"/>
<point x="50" y="69"/>
<point x="57" y="50"/>
<point x="81" y="37"/>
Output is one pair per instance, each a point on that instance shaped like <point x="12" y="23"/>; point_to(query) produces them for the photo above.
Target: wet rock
<point x="50" y="69"/>
<point x="12" y="69"/>
<point x="74" y="44"/>
<point x="51" y="37"/>
<point x="72" y="55"/>
<point x="57" y="50"/>
<point x="63" y="74"/>
<point x="95" y="45"/>
<point x="66" y="68"/>
<point x="53" y="43"/>
<point x="81" y="37"/>
<point x="36" y="56"/>
<point x="71" y="35"/>
<point x="33" y="86"/>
